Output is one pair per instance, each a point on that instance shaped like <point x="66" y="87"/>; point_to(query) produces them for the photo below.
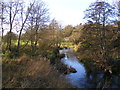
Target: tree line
<point x="30" y="21"/>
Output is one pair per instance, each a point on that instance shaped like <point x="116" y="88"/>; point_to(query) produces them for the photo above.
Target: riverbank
<point x="99" y="64"/>
<point x="36" y="72"/>
<point x="26" y="72"/>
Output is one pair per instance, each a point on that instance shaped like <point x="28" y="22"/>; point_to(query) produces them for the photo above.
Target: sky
<point x="68" y="12"/>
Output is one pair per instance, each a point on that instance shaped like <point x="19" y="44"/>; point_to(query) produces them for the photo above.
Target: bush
<point x="85" y="44"/>
<point x="11" y="54"/>
<point x="26" y="50"/>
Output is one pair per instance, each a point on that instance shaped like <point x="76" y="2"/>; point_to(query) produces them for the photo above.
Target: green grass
<point x="15" y="42"/>
<point x="23" y="42"/>
<point x="67" y="43"/>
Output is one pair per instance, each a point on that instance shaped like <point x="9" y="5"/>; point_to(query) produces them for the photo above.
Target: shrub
<point x="85" y="44"/>
<point x="11" y="54"/>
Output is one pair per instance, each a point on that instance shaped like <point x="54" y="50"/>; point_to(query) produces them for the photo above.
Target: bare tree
<point x="56" y="33"/>
<point x="24" y="17"/>
<point x="11" y="11"/>
<point x="37" y="19"/>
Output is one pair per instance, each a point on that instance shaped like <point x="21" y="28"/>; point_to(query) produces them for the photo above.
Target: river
<point x="84" y="79"/>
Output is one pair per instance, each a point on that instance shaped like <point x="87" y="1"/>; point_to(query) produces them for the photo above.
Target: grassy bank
<point x="26" y="72"/>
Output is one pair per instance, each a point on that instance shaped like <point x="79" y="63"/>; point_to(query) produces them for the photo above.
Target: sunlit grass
<point x="15" y="42"/>
<point x="67" y="44"/>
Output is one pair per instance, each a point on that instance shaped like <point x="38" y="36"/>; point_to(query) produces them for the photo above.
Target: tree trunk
<point x="9" y="45"/>
<point x="2" y="21"/>
<point x="105" y="48"/>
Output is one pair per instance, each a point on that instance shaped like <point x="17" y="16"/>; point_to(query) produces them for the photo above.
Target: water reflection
<point x="87" y="78"/>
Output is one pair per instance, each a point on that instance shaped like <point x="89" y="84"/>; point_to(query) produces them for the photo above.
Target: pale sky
<point x="68" y="11"/>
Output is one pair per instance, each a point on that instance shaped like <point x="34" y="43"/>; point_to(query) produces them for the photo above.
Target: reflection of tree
<point x="105" y="82"/>
<point x="95" y="80"/>
<point x="92" y="77"/>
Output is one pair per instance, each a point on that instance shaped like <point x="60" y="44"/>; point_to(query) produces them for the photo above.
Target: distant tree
<point x="68" y="30"/>
<point x="7" y="37"/>
<point x="53" y="25"/>
<point x="76" y="34"/>
<point x="55" y="33"/>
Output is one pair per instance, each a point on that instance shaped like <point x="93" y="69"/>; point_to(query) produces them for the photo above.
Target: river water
<point x="83" y="79"/>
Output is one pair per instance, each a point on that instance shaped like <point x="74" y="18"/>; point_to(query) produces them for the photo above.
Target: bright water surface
<point x="81" y="79"/>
